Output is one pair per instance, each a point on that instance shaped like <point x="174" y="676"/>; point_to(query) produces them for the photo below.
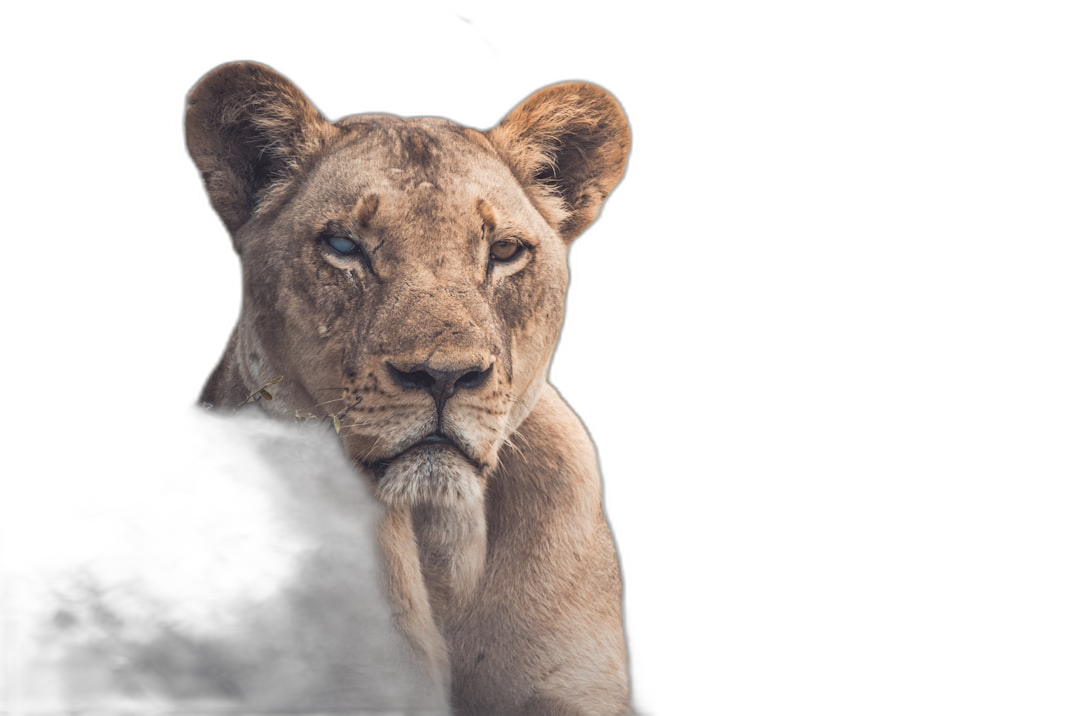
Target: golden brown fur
<point x="406" y="277"/>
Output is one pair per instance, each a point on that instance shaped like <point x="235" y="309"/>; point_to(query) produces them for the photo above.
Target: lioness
<point x="406" y="279"/>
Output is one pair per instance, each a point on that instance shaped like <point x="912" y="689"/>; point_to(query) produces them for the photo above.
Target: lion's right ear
<point x="249" y="131"/>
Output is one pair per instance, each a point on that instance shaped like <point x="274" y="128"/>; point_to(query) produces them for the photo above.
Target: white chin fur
<point x="438" y="476"/>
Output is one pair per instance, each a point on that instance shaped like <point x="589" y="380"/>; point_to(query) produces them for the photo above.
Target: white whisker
<point x="522" y="438"/>
<point x="513" y="446"/>
<point x="374" y="445"/>
<point x="327" y="402"/>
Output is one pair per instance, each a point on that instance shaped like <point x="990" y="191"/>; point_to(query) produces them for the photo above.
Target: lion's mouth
<point x="436" y="438"/>
<point x="432" y="442"/>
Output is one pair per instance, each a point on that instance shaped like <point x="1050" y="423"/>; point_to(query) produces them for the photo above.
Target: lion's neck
<point x="452" y="546"/>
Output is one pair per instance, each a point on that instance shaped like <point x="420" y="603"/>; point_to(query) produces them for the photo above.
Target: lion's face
<point x="410" y="288"/>
<point x="405" y="276"/>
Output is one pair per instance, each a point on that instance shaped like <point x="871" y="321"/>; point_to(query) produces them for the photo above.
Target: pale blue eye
<point x="342" y="245"/>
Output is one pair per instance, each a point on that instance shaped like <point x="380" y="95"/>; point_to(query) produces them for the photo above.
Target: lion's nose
<point x="441" y="384"/>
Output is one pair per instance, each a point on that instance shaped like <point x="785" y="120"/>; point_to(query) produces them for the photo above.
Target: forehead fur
<point x="416" y="171"/>
<point x="413" y="151"/>
<point x="428" y="146"/>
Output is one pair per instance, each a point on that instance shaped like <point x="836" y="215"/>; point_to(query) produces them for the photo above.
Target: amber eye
<point x="506" y="250"/>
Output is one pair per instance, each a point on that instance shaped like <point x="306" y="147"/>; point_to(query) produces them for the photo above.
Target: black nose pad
<point x="441" y="384"/>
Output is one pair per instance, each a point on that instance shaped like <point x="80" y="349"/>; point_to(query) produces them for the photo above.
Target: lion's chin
<point x="429" y="475"/>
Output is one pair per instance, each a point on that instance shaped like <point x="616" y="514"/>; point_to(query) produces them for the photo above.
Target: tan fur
<point x="406" y="277"/>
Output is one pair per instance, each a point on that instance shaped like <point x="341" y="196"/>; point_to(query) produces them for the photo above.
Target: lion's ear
<point x="249" y="130"/>
<point x="567" y="144"/>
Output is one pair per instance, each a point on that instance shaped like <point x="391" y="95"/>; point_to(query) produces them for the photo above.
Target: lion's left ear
<point x="567" y="144"/>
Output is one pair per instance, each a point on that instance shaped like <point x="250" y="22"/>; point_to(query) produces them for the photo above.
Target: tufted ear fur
<point x="567" y="144"/>
<point x="249" y="131"/>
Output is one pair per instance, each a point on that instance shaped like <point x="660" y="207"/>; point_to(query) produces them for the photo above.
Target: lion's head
<point x="406" y="276"/>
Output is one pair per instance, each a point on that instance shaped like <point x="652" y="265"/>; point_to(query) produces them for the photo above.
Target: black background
<point x="660" y="349"/>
